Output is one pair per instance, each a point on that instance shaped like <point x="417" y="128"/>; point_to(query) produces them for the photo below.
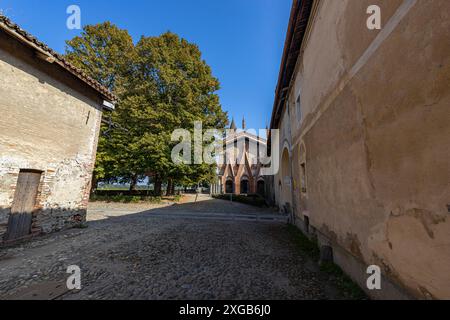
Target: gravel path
<point x="211" y="249"/>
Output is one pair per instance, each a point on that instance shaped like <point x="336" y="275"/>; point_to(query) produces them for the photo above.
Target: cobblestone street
<point x="211" y="249"/>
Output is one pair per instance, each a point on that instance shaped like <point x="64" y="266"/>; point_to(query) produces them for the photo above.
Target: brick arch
<point x="245" y="185"/>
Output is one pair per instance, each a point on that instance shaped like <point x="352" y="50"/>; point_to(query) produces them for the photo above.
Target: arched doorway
<point x="261" y="188"/>
<point x="244" y="186"/>
<point x="286" y="194"/>
<point x="229" y="186"/>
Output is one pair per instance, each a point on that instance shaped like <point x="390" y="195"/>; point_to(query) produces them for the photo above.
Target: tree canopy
<point x="163" y="84"/>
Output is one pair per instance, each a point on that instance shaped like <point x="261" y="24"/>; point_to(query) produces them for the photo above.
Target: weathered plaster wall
<point x="48" y="126"/>
<point x="282" y="189"/>
<point x="377" y="140"/>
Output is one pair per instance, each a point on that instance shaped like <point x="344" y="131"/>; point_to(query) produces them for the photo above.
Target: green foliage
<point x="126" y="199"/>
<point x="334" y="273"/>
<point x="121" y="188"/>
<point x="104" y="52"/>
<point x="342" y="281"/>
<point x="253" y="200"/>
<point x="135" y="199"/>
<point x="163" y="84"/>
<point x="307" y="246"/>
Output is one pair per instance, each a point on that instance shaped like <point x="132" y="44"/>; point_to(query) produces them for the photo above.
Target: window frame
<point x="303" y="181"/>
<point x="298" y="108"/>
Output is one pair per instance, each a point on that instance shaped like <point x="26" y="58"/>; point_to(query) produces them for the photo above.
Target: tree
<point x="174" y="82"/>
<point x="163" y="84"/>
<point x="105" y="53"/>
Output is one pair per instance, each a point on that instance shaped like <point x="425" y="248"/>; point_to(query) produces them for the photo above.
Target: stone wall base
<point x="48" y="221"/>
<point x="353" y="267"/>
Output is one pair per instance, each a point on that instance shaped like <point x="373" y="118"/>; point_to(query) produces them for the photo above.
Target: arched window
<point x="285" y="169"/>
<point x="229" y="188"/>
<point x="244" y="186"/>
<point x="285" y="196"/>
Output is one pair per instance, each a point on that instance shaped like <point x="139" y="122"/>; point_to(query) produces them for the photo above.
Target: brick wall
<point x="47" y="125"/>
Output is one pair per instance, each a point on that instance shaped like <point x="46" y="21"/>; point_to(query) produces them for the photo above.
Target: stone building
<point x="242" y="175"/>
<point x="49" y="126"/>
<point x="365" y="139"/>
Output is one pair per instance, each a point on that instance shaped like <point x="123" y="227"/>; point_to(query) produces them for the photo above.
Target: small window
<point x="306" y="223"/>
<point x="298" y="109"/>
<point x="303" y="177"/>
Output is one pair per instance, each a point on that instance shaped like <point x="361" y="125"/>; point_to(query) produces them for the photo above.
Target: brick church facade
<point x="242" y="175"/>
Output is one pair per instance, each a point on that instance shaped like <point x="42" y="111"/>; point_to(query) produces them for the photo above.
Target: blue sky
<point x="242" y="40"/>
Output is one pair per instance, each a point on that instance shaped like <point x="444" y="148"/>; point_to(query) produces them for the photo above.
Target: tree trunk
<point x="169" y="187"/>
<point x="158" y="184"/>
<point x="172" y="190"/>
<point x="134" y="181"/>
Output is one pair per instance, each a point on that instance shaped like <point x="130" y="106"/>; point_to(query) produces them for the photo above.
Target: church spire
<point x="243" y="123"/>
<point x="233" y="125"/>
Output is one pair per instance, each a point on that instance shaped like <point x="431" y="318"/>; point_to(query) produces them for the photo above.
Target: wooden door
<point x="19" y="223"/>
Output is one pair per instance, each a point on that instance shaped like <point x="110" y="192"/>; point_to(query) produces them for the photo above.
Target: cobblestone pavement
<point x="211" y="249"/>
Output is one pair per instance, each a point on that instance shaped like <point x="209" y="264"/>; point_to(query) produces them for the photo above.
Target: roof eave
<point x="298" y="21"/>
